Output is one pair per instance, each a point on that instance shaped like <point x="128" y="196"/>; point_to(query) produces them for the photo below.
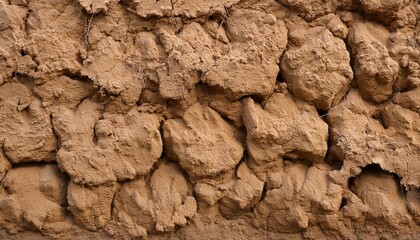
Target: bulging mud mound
<point x="216" y="119"/>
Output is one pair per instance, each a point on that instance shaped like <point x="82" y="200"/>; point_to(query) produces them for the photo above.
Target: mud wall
<point x="217" y="119"/>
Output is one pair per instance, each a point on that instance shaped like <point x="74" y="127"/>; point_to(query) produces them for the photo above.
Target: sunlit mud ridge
<point x="209" y="119"/>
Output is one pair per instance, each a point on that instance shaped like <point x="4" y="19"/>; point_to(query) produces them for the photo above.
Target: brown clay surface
<point x="209" y="119"/>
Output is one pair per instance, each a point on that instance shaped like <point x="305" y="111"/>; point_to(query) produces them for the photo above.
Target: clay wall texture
<point x="209" y="119"/>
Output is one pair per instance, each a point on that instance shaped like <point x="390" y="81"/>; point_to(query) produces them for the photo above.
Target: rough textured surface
<point x="202" y="142"/>
<point x="217" y="119"/>
<point x="159" y="205"/>
<point x="25" y="128"/>
<point x="374" y="70"/>
<point x="318" y="69"/>
<point x="117" y="147"/>
<point x="290" y="129"/>
<point x="36" y="201"/>
<point x="187" y="9"/>
<point x="90" y="206"/>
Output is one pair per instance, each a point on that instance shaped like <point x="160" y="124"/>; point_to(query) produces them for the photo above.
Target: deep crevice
<point x="32" y="164"/>
<point x="95" y="138"/>
<point x="331" y="157"/>
<point x="22" y="52"/>
<point x="335" y="163"/>
<point x="352" y="62"/>
<point x="280" y="77"/>
<point x="113" y="200"/>
<point x="350" y="183"/>
<point x="378" y="116"/>
<point x="375" y="169"/>
<point x="263" y="194"/>
<point x="323" y="114"/>
<point x="343" y="202"/>
<point x="258" y="99"/>
<point x="161" y="132"/>
<point x="76" y="76"/>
